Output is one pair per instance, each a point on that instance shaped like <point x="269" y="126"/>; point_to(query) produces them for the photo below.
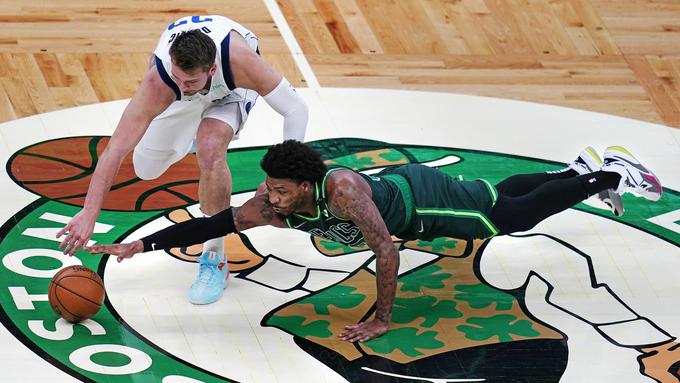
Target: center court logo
<point x="445" y="311"/>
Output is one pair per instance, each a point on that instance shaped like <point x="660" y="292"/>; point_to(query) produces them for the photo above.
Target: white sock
<point x="215" y="244"/>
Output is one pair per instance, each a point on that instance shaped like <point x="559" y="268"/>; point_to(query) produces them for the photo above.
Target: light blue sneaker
<point x="212" y="279"/>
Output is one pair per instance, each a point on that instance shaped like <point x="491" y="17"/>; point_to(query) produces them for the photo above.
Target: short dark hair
<point x="193" y="50"/>
<point x="294" y="160"/>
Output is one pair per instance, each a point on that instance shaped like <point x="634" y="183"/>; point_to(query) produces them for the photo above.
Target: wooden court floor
<point x="619" y="57"/>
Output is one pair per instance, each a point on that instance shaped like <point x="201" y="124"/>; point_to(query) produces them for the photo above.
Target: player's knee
<point x="146" y="175"/>
<point x="147" y="168"/>
<point x="211" y="155"/>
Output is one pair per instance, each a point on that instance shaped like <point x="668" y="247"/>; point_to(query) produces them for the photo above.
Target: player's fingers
<point x="93" y="249"/>
<point x="63" y="243"/>
<point x="63" y="230"/>
<point x="75" y="246"/>
<point x="354" y="338"/>
<point x="68" y="250"/>
<point x="351" y="336"/>
<point x="106" y="250"/>
<point x="66" y="244"/>
<point x="366" y="338"/>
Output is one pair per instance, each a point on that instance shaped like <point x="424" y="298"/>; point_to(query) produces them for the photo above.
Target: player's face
<point x="191" y="82"/>
<point x="286" y="196"/>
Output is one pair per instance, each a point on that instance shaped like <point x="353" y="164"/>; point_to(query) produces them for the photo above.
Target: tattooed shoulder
<point x="347" y="201"/>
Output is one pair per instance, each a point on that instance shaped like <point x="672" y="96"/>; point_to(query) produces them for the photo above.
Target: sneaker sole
<point x="200" y="303"/>
<point x="612" y="200"/>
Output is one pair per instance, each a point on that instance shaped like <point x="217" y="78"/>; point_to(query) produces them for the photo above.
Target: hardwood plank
<point x="659" y="86"/>
<point x="565" y="52"/>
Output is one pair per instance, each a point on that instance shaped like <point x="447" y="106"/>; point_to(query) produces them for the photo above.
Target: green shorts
<point x="443" y="206"/>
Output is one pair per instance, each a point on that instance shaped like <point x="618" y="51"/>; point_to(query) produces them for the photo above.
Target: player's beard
<point x="292" y="208"/>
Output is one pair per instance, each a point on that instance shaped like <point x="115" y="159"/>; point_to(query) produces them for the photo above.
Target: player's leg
<point x="520" y="184"/>
<point x="214" y="193"/>
<point x="587" y="161"/>
<point x="214" y="187"/>
<point x="220" y="125"/>
<point x="167" y="140"/>
<point x="621" y="172"/>
<point x="521" y="213"/>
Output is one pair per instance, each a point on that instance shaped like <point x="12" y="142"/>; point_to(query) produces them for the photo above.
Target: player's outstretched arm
<point x="152" y="97"/>
<point x="349" y="198"/>
<point x="255" y="212"/>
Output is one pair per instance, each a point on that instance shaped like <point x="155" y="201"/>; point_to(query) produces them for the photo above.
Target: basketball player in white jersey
<point x="205" y="76"/>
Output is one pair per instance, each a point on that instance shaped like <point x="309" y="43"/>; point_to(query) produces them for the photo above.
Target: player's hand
<point x="78" y="232"/>
<point x="364" y="331"/>
<point x="262" y="189"/>
<point x="120" y="250"/>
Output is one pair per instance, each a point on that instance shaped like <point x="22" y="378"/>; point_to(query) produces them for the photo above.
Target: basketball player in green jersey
<point x="409" y="201"/>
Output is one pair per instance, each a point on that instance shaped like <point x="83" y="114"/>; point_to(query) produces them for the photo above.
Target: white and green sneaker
<point x="635" y="177"/>
<point x="589" y="161"/>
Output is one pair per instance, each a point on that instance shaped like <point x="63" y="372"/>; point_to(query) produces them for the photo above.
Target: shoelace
<point x="206" y="273"/>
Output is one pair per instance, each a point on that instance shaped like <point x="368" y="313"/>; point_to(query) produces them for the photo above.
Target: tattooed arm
<point x="349" y="196"/>
<point x="255" y="212"/>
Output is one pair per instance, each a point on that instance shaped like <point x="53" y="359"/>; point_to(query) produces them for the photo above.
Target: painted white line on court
<point x="292" y="43"/>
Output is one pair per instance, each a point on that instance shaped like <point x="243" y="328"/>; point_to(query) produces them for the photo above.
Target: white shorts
<point x="170" y="135"/>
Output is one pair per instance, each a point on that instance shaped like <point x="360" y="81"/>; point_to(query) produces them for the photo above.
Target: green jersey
<point x="415" y="201"/>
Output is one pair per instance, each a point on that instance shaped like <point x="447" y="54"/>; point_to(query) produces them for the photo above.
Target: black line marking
<point x="165" y="187"/>
<point x="77" y="293"/>
<point x="63" y="307"/>
<point x="593" y="283"/>
<point x="114" y="187"/>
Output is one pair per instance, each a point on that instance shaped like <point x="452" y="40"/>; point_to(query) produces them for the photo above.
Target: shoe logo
<point x="220" y="266"/>
<point x="421" y="227"/>
<point x="298" y="225"/>
<point x="153" y="245"/>
<point x="592" y="180"/>
<point x="650" y="179"/>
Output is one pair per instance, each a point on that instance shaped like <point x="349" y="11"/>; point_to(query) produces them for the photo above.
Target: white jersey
<point x="218" y="28"/>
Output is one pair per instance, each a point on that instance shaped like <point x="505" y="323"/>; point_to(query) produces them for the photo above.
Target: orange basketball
<point x="76" y="293"/>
